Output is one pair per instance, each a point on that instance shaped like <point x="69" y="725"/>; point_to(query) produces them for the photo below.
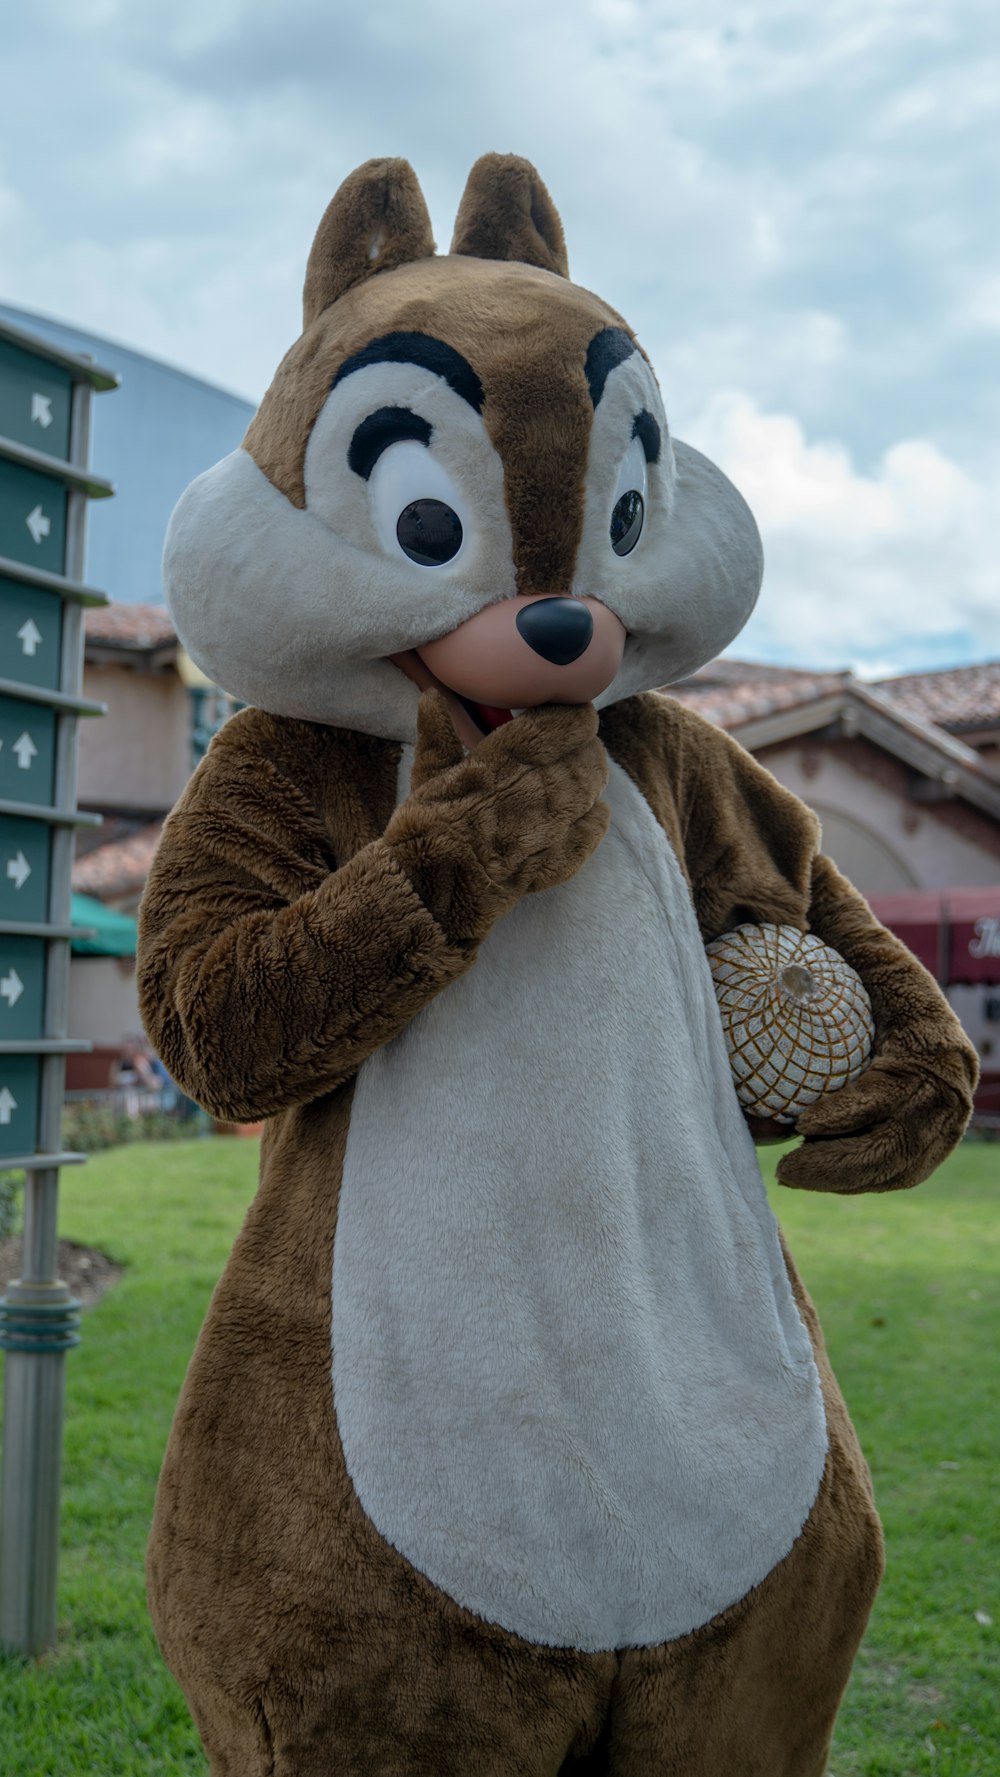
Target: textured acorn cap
<point x="796" y="1017"/>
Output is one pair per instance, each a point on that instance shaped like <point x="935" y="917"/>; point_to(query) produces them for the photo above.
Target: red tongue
<point x="492" y="715"/>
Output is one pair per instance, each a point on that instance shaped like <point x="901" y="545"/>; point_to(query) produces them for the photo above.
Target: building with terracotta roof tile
<point x="903" y="773"/>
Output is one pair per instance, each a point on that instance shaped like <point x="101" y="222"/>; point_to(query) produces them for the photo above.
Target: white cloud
<point x="785" y="200"/>
<point x="799" y="359"/>
<point x="980" y="308"/>
<point x="898" y="565"/>
<point x="178" y="143"/>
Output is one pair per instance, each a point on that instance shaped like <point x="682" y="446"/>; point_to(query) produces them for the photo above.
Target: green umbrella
<point x="113" y="933"/>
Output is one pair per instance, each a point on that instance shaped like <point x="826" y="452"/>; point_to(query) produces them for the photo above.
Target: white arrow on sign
<point x="18" y="869"/>
<point x="41" y="409"/>
<point x="38" y="524"/>
<point x="29" y="635"/>
<point x="12" y="987"/>
<point x="25" y="749"/>
<point x="8" y="1103"/>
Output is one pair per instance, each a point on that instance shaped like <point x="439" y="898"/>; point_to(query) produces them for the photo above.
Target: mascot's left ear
<point x="376" y="221"/>
<point x="506" y="213"/>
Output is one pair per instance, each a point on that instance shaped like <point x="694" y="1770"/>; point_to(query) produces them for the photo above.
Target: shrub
<point x="107" y="1121"/>
<point x="11" y="1186"/>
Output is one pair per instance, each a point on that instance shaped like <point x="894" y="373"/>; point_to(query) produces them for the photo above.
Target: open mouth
<point x="486" y="716"/>
<point x="479" y="719"/>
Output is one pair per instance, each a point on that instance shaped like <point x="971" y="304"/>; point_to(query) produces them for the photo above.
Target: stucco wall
<point x="138" y="755"/>
<point x="876" y="834"/>
<point x="103" y="1003"/>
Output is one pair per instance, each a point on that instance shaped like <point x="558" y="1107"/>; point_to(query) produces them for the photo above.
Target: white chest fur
<point x="571" y="1382"/>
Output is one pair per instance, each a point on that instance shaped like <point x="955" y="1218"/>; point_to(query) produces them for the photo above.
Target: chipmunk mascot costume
<point x="509" y="1445"/>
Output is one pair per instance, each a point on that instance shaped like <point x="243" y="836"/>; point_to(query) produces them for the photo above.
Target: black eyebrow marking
<point x="387" y="425"/>
<point x="421" y="349"/>
<point x="607" y="349"/>
<point x="645" y="428"/>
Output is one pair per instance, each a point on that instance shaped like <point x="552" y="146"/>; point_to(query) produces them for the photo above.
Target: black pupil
<point x="429" y="532"/>
<point x="626" y="522"/>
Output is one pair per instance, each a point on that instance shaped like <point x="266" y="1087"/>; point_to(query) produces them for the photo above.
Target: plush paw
<point x="519" y="814"/>
<point x="887" y="1130"/>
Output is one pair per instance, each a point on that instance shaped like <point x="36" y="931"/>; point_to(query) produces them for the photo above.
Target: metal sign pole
<point x="39" y="1320"/>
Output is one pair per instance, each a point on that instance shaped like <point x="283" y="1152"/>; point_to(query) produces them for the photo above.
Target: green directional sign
<point x="44" y="425"/>
<point x="18" y="1103"/>
<point x="30" y="633"/>
<point x="35" y="400"/>
<point x="27" y="751"/>
<point x="22" y="987"/>
<point x="32" y="517"/>
<point x="25" y="849"/>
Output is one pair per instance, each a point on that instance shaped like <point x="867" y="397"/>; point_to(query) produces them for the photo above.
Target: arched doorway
<point x="864" y="855"/>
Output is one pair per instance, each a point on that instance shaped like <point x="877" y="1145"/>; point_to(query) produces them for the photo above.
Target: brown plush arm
<point x="750" y="848"/>
<point x="255" y="1004"/>
<point x="267" y="974"/>
<point x="893" y="1125"/>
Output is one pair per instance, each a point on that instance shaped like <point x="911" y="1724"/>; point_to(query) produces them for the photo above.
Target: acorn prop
<point x="797" y="1020"/>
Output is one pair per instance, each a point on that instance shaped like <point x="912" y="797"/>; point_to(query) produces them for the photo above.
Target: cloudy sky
<point x="795" y="206"/>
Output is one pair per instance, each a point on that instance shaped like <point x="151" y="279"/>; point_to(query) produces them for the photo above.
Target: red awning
<point x="955" y="933"/>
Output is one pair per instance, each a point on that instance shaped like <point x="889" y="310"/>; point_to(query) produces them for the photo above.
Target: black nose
<point x="559" y="629"/>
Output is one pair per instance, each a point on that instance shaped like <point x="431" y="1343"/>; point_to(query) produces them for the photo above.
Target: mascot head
<point x="462" y="475"/>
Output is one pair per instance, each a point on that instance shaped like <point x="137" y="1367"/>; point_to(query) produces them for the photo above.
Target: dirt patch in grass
<point x="87" y="1271"/>
<point x="926" y="1696"/>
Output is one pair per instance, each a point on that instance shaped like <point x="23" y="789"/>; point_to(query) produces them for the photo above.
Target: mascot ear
<point x="506" y="213"/>
<point x="377" y="220"/>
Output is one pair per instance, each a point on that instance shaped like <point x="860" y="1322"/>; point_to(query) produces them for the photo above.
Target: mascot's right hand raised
<point x="520" y="813"/>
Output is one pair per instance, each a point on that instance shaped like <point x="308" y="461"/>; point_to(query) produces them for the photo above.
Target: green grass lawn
<point x="908" y="1288"/>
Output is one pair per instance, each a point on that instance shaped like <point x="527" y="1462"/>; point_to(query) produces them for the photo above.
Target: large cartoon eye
<point x="429" y="532"/>
<point x="416" y="507"/>
<point x="631" y="494"/>
<point x="626" y="522"/>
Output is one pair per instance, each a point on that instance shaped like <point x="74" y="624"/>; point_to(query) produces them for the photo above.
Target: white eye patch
<point x="406" y="475"/>
<point x="448" y="459"/>
<point x="633" y="476"/>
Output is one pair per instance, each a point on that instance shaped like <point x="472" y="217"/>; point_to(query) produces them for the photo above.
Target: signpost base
<point x="39" y="1323"/>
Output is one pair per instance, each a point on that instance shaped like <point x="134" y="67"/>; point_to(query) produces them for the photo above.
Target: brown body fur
<point x="282" y="840"/>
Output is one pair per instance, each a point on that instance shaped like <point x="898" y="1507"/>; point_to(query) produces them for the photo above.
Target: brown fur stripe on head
<point x="525" y="333"/>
